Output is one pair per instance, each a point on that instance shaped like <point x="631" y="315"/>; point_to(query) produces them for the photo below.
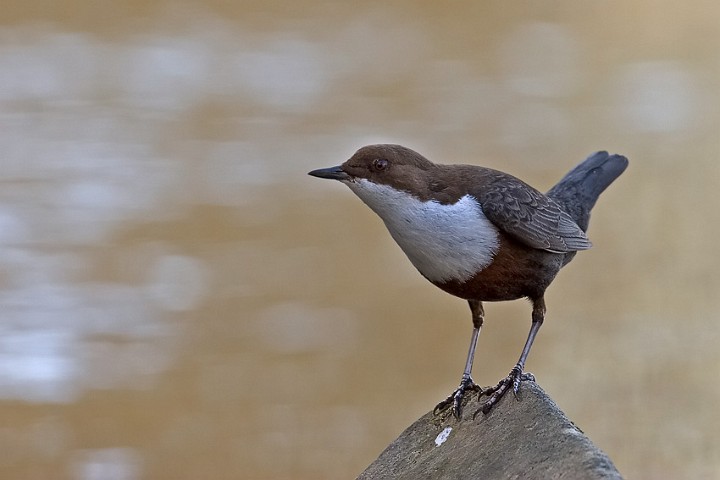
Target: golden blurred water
<point x="181" y="301"/>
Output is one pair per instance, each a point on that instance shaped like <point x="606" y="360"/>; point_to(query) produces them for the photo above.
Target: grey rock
<point x="524" y="438"/>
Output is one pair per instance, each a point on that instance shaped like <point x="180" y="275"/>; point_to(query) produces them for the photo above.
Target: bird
<point x="479" y="234"/>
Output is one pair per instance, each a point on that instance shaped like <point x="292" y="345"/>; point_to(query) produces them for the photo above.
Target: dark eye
<point x="379" y="164"/>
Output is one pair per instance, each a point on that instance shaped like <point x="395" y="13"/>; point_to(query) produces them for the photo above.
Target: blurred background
<point x="180" y="300"/>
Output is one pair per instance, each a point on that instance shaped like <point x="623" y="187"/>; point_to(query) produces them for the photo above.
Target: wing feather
<point x="529" y="216"/>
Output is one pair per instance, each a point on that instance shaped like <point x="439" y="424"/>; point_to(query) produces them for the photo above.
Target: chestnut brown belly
<point x="516" y="271"/>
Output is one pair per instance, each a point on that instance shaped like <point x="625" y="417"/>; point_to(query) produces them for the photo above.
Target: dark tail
<point x="578" y="191"/>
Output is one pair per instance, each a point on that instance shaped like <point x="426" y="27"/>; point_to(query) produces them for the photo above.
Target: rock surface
<point x="528" y="438"/>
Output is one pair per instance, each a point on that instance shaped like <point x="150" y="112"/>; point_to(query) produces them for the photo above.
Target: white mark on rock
<point x="442" y="436"/>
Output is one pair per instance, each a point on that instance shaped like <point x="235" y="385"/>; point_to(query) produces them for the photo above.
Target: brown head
<point x="386" y="164"/>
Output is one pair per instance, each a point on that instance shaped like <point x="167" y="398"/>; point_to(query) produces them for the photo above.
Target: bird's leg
<point x="516" y="375"/>
<point x="466" y="383"/>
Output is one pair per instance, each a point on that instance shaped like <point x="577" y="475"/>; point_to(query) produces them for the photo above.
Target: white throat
<point x="444" y="242"/>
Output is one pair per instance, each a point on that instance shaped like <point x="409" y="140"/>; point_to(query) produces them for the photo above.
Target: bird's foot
<point x="455" y="399"/>
<point x="513" y="380"/>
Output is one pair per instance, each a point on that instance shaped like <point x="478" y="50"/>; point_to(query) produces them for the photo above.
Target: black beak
<point x="333" y="173"/>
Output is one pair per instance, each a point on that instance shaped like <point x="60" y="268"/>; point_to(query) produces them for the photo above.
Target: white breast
<point x="444" y="242"/>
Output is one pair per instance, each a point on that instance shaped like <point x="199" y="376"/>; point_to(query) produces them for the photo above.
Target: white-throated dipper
<point x="478" y="233"/>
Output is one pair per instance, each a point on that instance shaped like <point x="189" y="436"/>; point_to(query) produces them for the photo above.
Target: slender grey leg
<point x="516" y="375"/>
<point x="471" y="352"/>
<point x="466" y="383"/>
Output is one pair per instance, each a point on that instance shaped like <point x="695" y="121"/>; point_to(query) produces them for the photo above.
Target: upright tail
<point x="578" y="191"/>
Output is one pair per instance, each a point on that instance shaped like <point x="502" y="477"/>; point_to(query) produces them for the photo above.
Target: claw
<point x="514" y="378"/>
<point x="456" y="398"/>
<point x="523" y="377"/>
